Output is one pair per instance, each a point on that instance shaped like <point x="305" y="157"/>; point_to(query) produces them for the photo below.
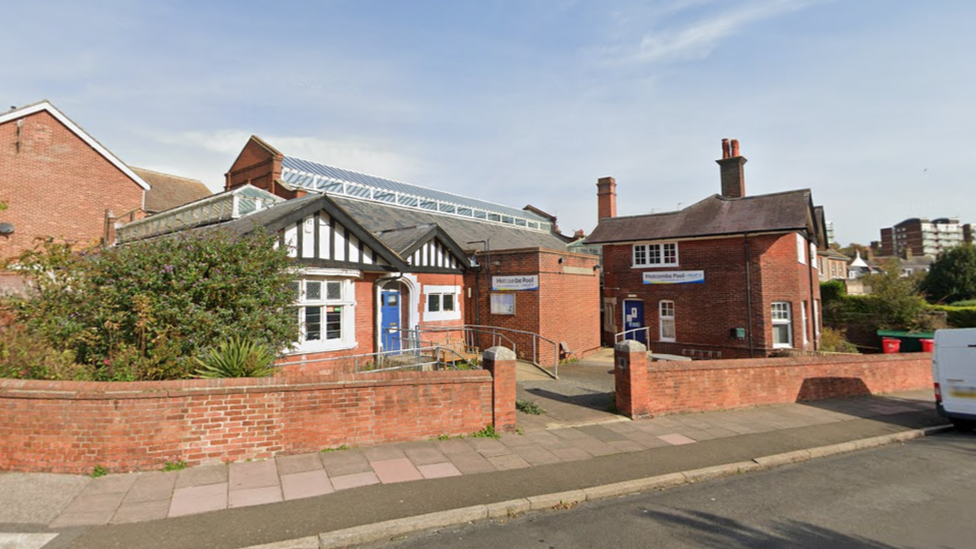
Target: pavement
<point x="576" y="443"/>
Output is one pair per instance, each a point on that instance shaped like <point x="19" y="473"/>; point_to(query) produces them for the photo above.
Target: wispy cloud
<point x="698" y="38"/>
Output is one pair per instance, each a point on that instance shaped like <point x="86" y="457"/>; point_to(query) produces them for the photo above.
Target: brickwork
<point x="70" y="427"/>
<point x="56" y="185"/>
<point x="630" y="378"/>
<point x="565" y="308"/>
<point x="705" y="313"/>
<point x="500" y="361"/>
<point x="676" y="387"/>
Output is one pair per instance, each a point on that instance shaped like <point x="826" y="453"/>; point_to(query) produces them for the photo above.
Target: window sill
<point x="658" y="266"/>
<point x="325" y="347"/>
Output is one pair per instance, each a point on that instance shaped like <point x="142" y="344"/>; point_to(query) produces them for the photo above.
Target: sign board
<point x="524" y="282"/>
<point x="675" y="277"/>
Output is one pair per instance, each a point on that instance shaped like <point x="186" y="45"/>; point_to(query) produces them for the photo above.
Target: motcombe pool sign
<point x="527" y="282"/>
<point x="675" y="277"/>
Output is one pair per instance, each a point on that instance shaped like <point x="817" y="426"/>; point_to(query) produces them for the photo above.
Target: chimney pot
<point x="606" y="195"/>
<point x="731" y="170"/>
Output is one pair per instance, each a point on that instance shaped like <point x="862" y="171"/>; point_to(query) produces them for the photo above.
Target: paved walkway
<point x="59" y="501"/>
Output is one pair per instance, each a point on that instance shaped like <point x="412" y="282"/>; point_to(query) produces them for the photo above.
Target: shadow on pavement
<point x="709" y="530"/>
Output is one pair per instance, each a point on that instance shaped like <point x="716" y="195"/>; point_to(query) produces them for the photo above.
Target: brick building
<point x="727" y="277"/>
<point x="58" y="181"/>
<point x="506" y="268"/>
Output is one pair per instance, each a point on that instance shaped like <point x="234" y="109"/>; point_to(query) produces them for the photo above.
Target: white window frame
<point x="777" y="309"/>
<point x="801" y="248"/>
<point x="816" y="318"/>
<point x="642" y="255"/>
<point x="436" y="293"/>
<point x="813" y="257"/>
<point x="346" y="302"/>
<point x="803" y="317"/>
<point x="666" y="320"/>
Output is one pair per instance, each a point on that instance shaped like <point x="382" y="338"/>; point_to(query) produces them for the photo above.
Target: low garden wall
<point x="70" y="427"/>
<point x="675" y="387"/>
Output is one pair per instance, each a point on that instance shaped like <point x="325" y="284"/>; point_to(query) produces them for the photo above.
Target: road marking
<point x="24" y="541"/>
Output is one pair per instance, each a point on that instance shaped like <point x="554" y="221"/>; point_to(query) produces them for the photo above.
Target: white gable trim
<point x="47" y="106"/>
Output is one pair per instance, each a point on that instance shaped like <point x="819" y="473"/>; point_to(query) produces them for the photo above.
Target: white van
<point x="954" y="374"/>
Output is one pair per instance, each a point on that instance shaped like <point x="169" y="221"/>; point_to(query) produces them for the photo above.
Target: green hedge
<point x="958" y="317"/>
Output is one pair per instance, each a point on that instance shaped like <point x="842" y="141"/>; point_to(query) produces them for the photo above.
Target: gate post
<point x="500" y="361"/>
<point x="632" y="392"/>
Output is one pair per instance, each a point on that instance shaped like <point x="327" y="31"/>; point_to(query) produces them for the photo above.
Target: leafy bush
<point x="835" y="341"/>
<point x="148" y="310"/>
<point x="964" y="303"/>
<point x="23" y="356"/>
<point x="959" y="317"/>
<point x="832" y="290"/>
<point x="237" y="358"/>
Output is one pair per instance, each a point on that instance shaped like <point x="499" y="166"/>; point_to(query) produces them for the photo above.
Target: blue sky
<point x="866" y="102"/>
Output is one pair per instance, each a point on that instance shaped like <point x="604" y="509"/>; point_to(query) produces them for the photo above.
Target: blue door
<point x="634" y="318"/>
<point x="390" y="320"/>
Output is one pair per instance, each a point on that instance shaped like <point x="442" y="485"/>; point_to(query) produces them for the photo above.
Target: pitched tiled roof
<point x="713" y="216"/>
<point x="401" y="240"/>
<point x="170" y="191"/>
<point x="378" y="217"/>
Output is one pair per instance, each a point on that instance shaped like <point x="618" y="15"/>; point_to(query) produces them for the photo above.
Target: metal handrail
<point x="645" y="329"/>
<point x="494" y="331"/>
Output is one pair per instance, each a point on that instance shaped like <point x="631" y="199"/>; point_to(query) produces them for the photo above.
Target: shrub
<point x="23" y="356"/>
<point x="148" y="310"/>
<point x="832" y="290"/>
<point x="835" y="341"/>
<point x="237" y="358"/>
<point x="959" y="317"/>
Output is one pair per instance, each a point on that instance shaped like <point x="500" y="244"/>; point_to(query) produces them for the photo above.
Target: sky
<point x="865" y="102"/>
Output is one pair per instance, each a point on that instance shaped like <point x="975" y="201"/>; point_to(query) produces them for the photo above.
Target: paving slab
<point x="306" y="484"/>
<point x="676" y="439"/>
<point x="509" y="461"/>
<point x="383" y="452"/>
<point x="251" y="475"/>
<point x="536" y="455"/>
<point x="395" y="470"/>
<point x="25" y="540"/>
<point x="254" y="496"/>
<point x="470" y="463"/>
<point x="141" y="511"/>
<point x="344" y="462"/>
<point x="201" y="476"/>
<point x="453" y="446"/>
<point x="37" y="498"/>
<point x="425" y="455"/>
<point x="299" y="463"/>
<point x="601" y="433"/>
<point x="489" y="447"/>
<point x="439" y="470"/>
<point x="198" y="499"/>
<point x="354" y="480"/>
<point x="111" y="484"/>
<point x="593" y="446"/>
<point x="571" y="454"/>
<point x="151" y="487"/>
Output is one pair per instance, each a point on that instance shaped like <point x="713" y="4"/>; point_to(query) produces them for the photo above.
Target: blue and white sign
<point x="526" y="282"/>
<point x="675" y="277"/>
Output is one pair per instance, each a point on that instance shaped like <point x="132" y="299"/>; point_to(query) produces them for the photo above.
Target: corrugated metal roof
<point x="337" y="181"/>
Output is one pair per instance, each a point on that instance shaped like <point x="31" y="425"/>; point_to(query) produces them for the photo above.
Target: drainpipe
<point x="745" y="239"/>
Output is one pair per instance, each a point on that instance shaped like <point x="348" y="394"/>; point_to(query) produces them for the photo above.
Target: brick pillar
<point x="500" y="361"/>
<point x="631" y="379"/>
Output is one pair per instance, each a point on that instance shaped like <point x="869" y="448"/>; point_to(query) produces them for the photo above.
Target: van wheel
<point x="962" y="424"/>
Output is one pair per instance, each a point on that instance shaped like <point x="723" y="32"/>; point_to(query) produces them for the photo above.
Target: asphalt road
<point x="921" y="494"/>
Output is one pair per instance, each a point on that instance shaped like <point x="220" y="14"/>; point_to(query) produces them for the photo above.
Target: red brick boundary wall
<point x="675" y="387"/>
<point x="500" y="361"/>
<point x="70" y="427"/>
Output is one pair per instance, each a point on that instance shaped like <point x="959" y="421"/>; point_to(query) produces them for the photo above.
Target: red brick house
<point x="730" y="276"/>
<point x="445" y="260"/>
<point x="58" y="181"/>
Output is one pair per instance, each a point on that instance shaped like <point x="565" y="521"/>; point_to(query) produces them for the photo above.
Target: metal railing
<point x="474" y="336"/>
<point x="421" y="355"/>
<point x="617" y="338"/>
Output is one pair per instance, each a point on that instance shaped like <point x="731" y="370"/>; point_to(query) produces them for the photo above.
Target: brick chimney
<point x="606" y="194"/>
<point x="731" y="170"/>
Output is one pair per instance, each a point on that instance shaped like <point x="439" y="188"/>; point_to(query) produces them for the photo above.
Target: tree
<point x="952" y="276"/>
<point x="895" y="301"/>
<point x="148" y="310"/>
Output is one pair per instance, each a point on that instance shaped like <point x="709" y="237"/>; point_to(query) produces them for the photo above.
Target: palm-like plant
<point x="237" y="358"/>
